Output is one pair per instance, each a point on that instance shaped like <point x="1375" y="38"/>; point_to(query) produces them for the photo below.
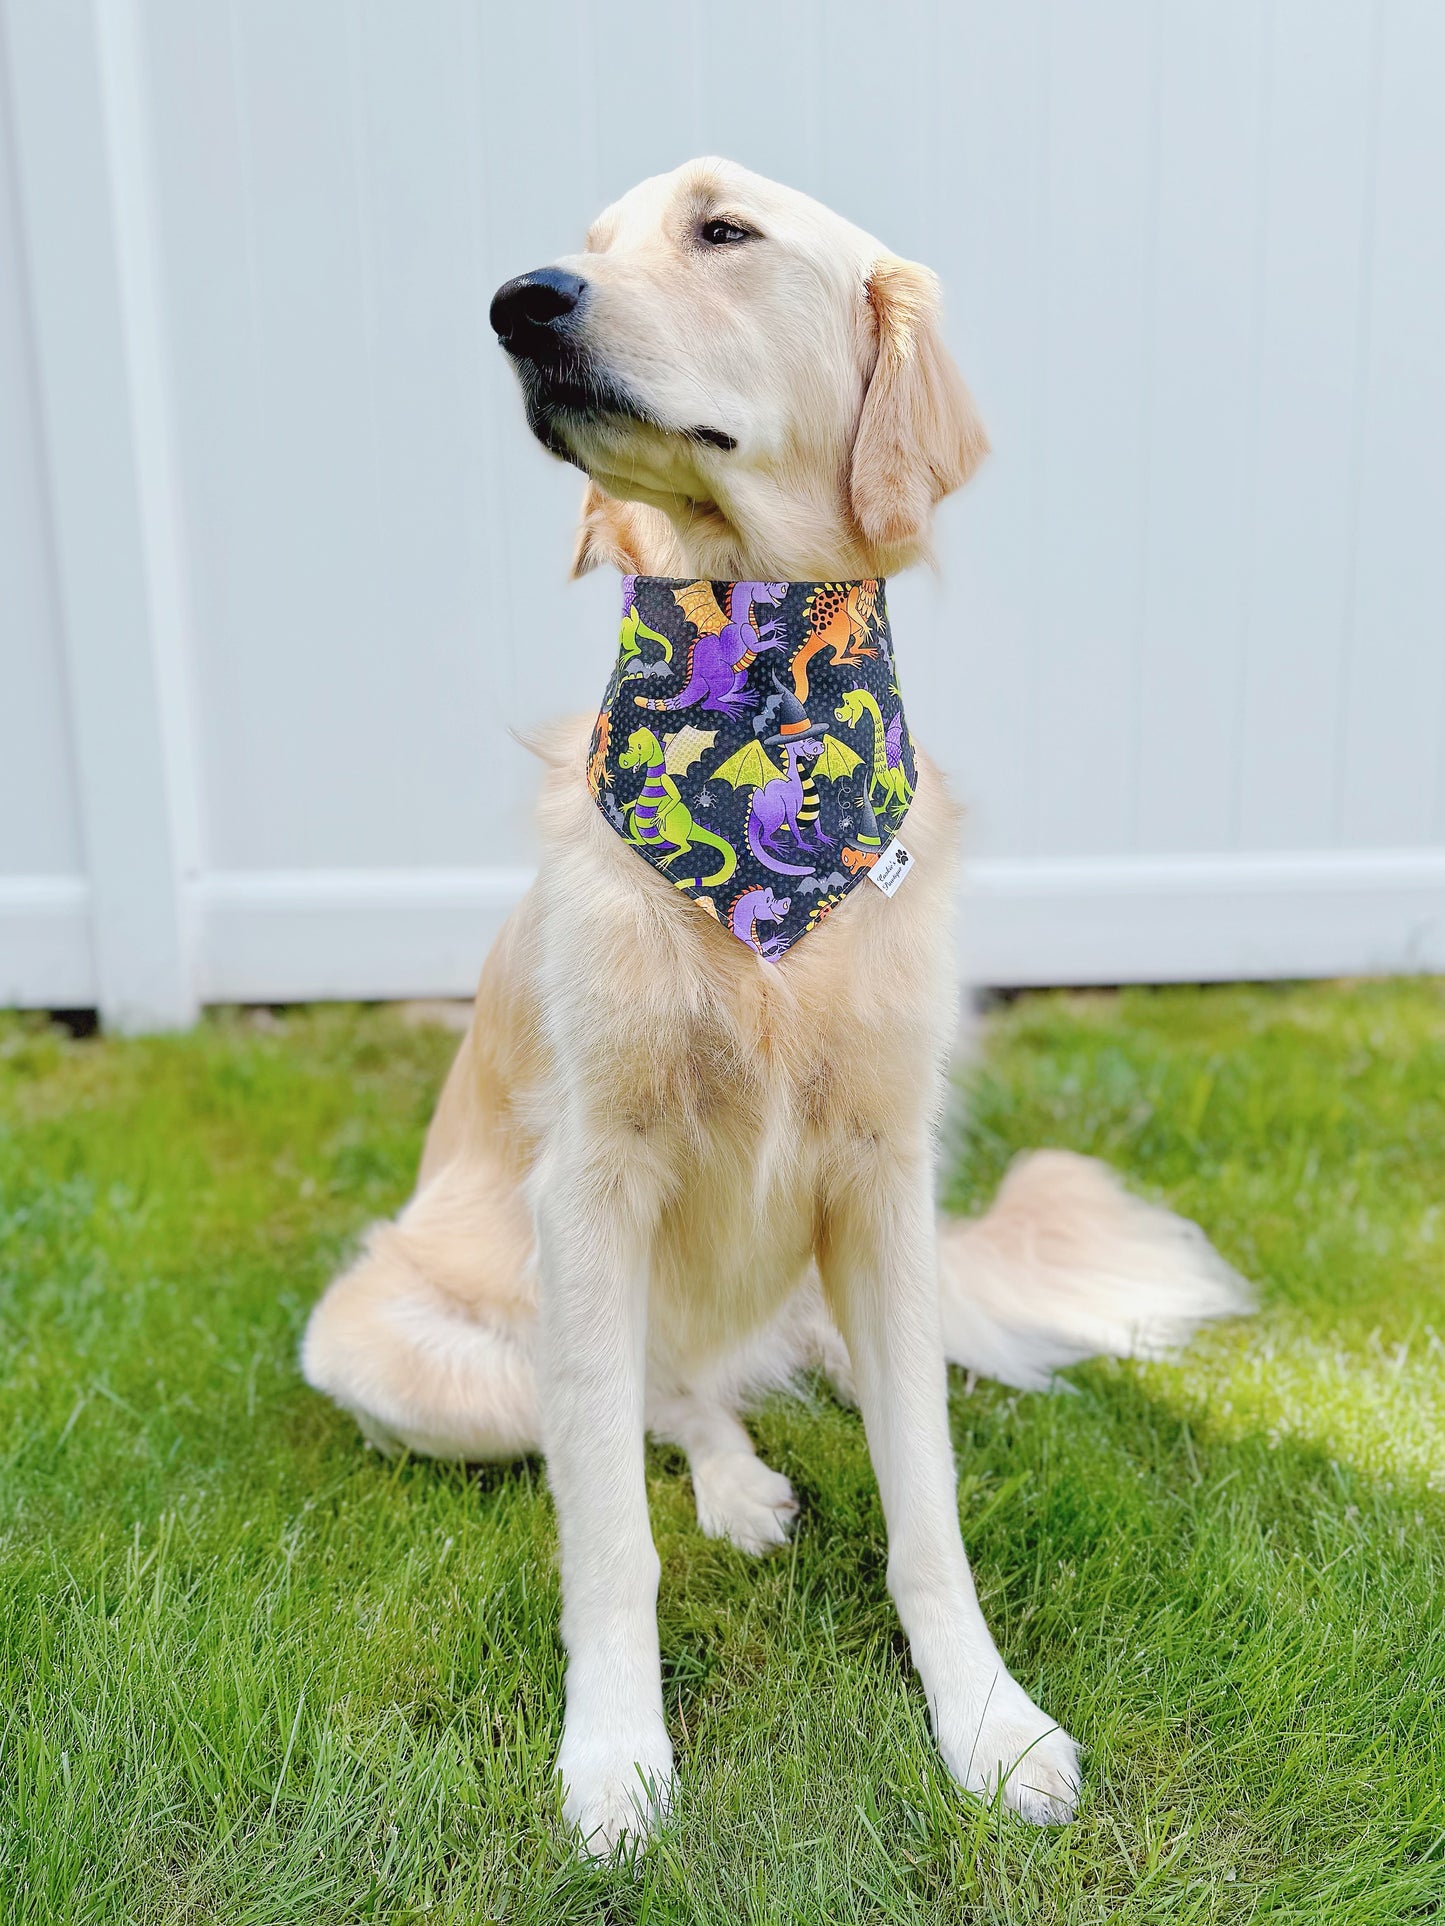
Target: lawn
<point x="250" y="1671"/>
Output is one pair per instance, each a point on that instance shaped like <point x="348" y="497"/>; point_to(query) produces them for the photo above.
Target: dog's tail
<point x="1066" y="1265"/>
<point x="427" y="1340"/>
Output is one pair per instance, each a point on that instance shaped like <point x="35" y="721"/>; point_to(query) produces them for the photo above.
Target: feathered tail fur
<point x="1066" y="1265"/>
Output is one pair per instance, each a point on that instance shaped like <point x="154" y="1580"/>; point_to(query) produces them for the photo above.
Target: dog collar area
<point x="751" y="745"/>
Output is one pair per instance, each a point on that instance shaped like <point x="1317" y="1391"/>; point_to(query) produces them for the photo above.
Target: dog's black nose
<point x="528" y="314"/>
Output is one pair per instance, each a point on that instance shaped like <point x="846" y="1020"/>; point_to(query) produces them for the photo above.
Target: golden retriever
<point x="665" y="1175"/>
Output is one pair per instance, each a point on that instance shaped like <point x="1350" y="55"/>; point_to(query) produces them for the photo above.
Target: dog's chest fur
<point x="732" y="1103"/>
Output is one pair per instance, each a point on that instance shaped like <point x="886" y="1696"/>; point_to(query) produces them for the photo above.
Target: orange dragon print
<point x="597" y="774"/>
<point x="840" y="617"/>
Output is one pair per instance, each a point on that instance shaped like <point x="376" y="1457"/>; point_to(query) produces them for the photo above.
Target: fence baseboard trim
<point x="296" y="935"/>
<point x="46" y="957"/>
<point x="287" y="936"/>
<point x="1198" y="919"/>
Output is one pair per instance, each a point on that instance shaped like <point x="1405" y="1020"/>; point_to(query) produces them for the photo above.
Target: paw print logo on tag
<point x="891" y="869"/>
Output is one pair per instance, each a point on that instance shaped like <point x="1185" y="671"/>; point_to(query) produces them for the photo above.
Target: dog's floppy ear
<point x="919" y="435"/>
<point x="606" y="535"/>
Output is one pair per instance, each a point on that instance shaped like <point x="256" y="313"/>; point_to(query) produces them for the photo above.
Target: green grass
<point x="251" y="1672"/>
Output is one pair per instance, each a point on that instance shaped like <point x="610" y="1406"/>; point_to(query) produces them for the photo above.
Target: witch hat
<point x="793" y="723"/>
<point x="866" y="834"/>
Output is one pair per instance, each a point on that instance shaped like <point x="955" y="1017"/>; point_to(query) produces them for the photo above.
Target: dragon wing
<point x="685" y="747"/>
<point x="750" y="767"/>
<point x="700" y="606"/>
<point x="893" y="741"/>
<point x="835" y="759"/>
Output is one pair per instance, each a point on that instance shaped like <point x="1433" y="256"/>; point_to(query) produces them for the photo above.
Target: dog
<point x="665" y="1174"/>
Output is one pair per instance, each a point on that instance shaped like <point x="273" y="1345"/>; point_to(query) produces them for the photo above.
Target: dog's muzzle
<point x="538" y="320"/>
<point x="533" y="315"/>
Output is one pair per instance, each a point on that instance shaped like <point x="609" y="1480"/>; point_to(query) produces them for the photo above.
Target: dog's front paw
<point x="615" y="1793"/>
<point x="1007" y="1742"/>
<point x="741" y="1499"/>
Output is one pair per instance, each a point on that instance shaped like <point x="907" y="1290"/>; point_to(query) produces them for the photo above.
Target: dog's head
<point x="749" y="366"/>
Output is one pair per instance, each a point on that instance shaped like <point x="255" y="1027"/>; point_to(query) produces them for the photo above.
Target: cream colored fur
<point x="663" y="1175"/>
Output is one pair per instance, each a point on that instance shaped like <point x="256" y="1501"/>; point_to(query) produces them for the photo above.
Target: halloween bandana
<point x="752" y="746"/>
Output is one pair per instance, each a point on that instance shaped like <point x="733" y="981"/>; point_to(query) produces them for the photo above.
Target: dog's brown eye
<point x="723" y="234"/>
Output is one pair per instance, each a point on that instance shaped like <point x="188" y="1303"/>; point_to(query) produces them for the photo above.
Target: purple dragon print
<point x="787" y="802"/>
<point x="726" y="644"/>
<point x="756" y="906"/>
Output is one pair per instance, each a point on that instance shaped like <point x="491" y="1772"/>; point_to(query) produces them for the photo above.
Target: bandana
<point x="752" y="747"/>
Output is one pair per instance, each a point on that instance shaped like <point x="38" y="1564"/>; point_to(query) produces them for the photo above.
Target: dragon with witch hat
<point x="889" y="778"/>
<point x="785" y="801"/>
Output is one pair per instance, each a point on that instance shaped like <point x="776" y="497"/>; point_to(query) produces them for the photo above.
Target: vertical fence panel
<point x="992" y="214"/>
<point x="79" y="129"/>
<point x="1392" y="736"/>
<point x="1323" y="104"/>
<point x="45" y="947"/>
<point x="1204" y="394"/>
<point x="1098" y="382"/>
<point x="39" y="829"/>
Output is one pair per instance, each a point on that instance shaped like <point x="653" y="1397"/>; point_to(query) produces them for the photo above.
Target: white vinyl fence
<point x="279" y="563"/>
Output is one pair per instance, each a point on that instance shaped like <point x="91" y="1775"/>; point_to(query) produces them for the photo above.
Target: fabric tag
<point x="891" y="870"/>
